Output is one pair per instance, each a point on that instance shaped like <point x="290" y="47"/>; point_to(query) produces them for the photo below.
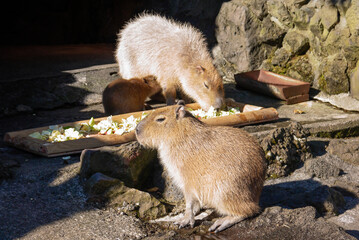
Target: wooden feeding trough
<point x="275" y="85"/>
<point x="20" y="139"/>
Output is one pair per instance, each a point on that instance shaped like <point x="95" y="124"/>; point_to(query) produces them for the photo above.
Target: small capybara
<point x="215" y="166"/>
<point x="175" y="53"/>
<point x="123" y="96"/>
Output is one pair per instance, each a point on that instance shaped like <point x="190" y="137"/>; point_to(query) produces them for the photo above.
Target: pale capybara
<point x="124" y="96"/>
<point x="175" y="53"/>
<point x="215" y="166"/>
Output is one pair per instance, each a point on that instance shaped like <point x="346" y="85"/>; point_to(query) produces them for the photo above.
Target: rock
<point x="280" y="14"/>
<point x="352" y="17"/>
<point x="285" y="149"/>
<point x="281" y="57"/>
<point x="344" y="101"/>
<point x="354" y="82"/>
<point x="322" y="168"/>
<point x="301" y="17"/>
<point x="130" y="162"/>
<point x="349" y="219"/>
<point x="99" y="183"/>
<point x="313" y="41"/>
<point x="244" y="35"/>
<point x="169" y="191"/>
<point x="301" y="69"/>
<point x="329" y="16"/>
<point x="326" y="200"/>
<point x="281" y="223"/>
<point x="296" y="43"/>
<point x="347" y="150"/>
<point x="334" y="79"/>
<point x="134" y="202"/>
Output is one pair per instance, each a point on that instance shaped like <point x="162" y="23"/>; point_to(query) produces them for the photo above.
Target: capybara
<point x="175" y="53"/>
<point x="123" y="96"/>
<point x="215" y="166"/>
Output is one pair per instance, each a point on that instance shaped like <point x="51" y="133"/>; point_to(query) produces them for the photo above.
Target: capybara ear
<point x="200" y="69"/>
<point x="180" y="112"/>
<point x="149" y="78"/>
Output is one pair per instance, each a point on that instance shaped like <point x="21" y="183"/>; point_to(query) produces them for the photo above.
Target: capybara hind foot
<point x="224" y="223"/>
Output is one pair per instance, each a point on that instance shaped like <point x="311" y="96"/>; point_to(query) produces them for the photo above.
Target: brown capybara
<point x="215" y="166"/>
<point x="175" y="53"/>
<point x="123" y="96"/>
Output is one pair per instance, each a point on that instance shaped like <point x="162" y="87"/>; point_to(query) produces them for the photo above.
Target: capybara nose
<point x="218" y="103"/>
<point x="139" y="127"/>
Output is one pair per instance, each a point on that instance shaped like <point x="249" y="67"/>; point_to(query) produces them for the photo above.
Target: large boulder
<point x="285" y="149"/>
<point x="134" y="202"/>
<point x="245" y="35"/>
<point x="129" y="162"/>
<point x="334" y="79"/>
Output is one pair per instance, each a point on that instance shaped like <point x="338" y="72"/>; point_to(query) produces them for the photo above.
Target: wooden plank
<point x="245" y="118"/>
<point x="20" y="139"/>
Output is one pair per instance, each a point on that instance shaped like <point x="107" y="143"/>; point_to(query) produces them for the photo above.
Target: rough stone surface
<point x="321" y="168"/>
<point x="169" y="191"/>
<point x="285" y="149"/>
<point x="134" y="202"/>
<point x="244" y="35"/>
<point x="354" y="82"/>
<point x="334" y="79"/>
<point x="296" y="43"/>
<point x="342" y="100"/>
<point x="99" y="183"/>
<point x="280" y="223"/>
<point x="346" y="150"/>
<point x="129" y="162"/>
<point x="326" y="200"/>
<point x="274" y="35"/>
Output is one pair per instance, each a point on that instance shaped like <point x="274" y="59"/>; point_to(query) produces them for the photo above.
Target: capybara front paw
<point x="185" y="221"/>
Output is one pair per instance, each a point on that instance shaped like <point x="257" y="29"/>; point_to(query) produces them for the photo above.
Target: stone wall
<point x="316" y="41"/>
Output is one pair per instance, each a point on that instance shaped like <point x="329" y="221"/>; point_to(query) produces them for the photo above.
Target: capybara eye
<point x="160" y="119"/>
<point x="205" y="85"/>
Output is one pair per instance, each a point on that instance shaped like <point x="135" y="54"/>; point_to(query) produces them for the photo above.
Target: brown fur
<point x="123" y="96"/>
<point x="218" y="167"/>
<point x="175" y="53"/>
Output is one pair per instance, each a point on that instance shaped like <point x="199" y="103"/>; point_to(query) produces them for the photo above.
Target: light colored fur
<point x="175" y="53"/>
<point x="218" y="167"/>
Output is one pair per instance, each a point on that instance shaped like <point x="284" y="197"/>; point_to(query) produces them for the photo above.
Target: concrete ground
<point x="44" y="199"/>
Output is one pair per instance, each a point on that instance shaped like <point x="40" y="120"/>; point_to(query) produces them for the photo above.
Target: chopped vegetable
<point x="57" y="133"/>
<point x="212" y="112"/>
